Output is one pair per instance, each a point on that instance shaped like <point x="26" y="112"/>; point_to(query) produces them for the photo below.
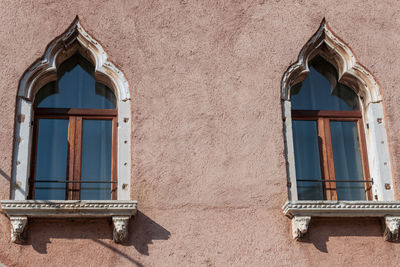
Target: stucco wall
<point x="207" y="141"/>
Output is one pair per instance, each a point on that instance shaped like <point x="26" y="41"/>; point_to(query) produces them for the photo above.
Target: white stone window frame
<point x="44" y="70"/>
<point x="325" y="44"/>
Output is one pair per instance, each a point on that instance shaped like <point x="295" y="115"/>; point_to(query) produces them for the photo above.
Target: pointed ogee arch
<point x="74" y="38"/>
<point x="44" y="70"/>
<point x="327" y="45"/>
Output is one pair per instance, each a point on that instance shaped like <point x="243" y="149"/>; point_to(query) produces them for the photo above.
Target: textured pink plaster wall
<point x="208" y="160"/>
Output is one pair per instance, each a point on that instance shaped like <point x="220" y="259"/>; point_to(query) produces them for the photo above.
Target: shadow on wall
<point x="5" y="175"/>
<point x="320" y="230"/>
<point x="142" y="232"/>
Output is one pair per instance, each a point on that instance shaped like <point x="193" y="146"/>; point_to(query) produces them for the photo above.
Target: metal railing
<point x="336" y="181"/>
<point x="80" y="182"/>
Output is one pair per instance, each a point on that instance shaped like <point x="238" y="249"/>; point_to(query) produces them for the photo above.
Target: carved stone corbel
<point x="392" y="228"/>
<point x="18" y="224"/>
<point x="300" y="226"/>
<point x="120" y="231"/>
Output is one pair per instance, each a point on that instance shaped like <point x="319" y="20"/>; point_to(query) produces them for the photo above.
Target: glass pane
<point x="75" y="88"/>
<point x="321" y="91"/>
<point x="347" y="158"/>
<point x="307" y="160"/>
<point x="96" y="159"/>
<point x="51" y="159"/>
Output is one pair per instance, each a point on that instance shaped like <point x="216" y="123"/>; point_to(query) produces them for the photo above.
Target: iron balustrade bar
<point x="89" y="182"/>
<point x="63" y="189"/>
<point x="336" y="181"/>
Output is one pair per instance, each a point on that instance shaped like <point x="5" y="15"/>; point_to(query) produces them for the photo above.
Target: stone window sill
<point x="20" y="210"/>
<point x="302" y="211"/>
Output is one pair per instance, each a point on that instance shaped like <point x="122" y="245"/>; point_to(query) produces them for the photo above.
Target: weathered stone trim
<point x="18" y="226"/>
<point x="63" y="47"/>
<point x="300" y="211"/>
<point x="325" y="43"/>
<point x="341" y="208"/>
<point x="392" y="228"/>
<point x="68" y="208"/>
<point x="300" y="226"/>
<point x="120" y="231"/>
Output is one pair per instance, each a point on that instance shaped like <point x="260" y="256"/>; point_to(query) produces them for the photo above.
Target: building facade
<point x="203" y="135"/>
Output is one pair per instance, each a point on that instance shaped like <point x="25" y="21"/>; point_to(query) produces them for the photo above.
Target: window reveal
<point x="74" y="155"/>
<point x="329" y="143"/>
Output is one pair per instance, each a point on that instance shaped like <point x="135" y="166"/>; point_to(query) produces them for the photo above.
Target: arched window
<point x="328" y="137"/>
<point x="75" y="124"/>
<point x="334" y="127"/>
<point x="335" y="138"/>
<point x="72" y="138"/>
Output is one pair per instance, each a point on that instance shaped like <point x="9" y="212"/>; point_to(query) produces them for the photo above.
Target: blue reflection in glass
<point x="96" y="159"/>
<point x="51" y="159"/>
<point x="347" y="159"/>
<point x="75" y="88"/>
<point x="307" y="161"/>
<point x="321" y="91"/>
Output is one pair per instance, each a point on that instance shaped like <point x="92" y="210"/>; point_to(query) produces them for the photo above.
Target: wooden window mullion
<point x="71" y="157"/>
<point x="78" y="158"/>
<point x="323" y="157"/>
<point x="330" y="160"/>
<point x="326" y="158"/>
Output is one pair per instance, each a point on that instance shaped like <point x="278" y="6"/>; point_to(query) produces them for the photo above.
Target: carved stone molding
<point x="18" y="224"/>
<point x="392" y="228"/>
<point x="73" y="39"/>
<point x="325" y="43"/>
<point x="302" y="211"/>
<point x="300" y="226"/>
<point x="120" y="231"/>
<point x="341" y="208"/>
<point x="69" y="208"/>
<point x="20" y="210"/>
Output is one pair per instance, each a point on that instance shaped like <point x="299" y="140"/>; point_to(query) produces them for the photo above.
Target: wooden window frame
<point x="75" y="116"/>
<point x="323" y="118"/>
